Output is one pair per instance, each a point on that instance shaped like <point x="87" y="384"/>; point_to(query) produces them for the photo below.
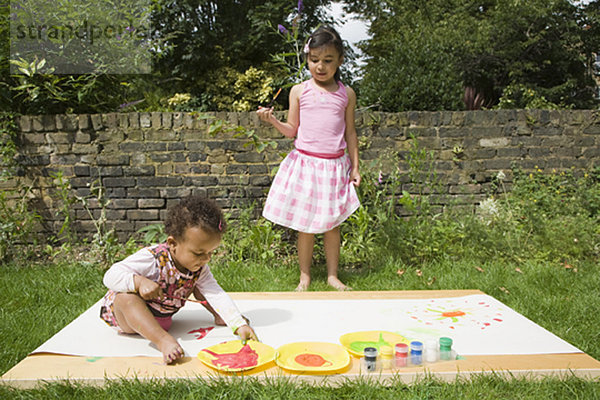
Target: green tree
<point x="72" y="56"/>
<point x="194" y="45"/>
<point x="447" y="46"/>
<point x="211" y="39"/>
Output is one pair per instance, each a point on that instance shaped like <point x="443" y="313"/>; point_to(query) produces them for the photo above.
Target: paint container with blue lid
<point x="416" y="352"/>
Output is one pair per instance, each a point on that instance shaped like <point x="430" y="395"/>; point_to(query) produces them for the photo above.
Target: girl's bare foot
<point x="303" y="285"/>
<point x="170" y="349"/>
<point x="335" y="283"/>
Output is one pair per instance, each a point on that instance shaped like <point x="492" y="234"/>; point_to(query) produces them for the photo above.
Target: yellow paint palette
<point x="355" y="342"/>
<point x="233" y="356"/>
<point x="312" y="357"/>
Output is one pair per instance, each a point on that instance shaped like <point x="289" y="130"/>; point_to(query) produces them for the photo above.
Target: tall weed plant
<point x="248" y="238"/>
<point x="396" y="211"/>
<point x="551" y="217"/>
<point x="17" y="222"/>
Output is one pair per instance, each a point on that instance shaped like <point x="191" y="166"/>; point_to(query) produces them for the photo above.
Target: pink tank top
<point x="322" y="120"/>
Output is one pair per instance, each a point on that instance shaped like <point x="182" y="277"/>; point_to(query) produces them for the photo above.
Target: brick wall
<point x="147" y="161"/>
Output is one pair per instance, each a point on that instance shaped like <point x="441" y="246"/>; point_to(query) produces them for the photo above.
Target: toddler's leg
<point x="306" y="243"/>
<point x="331" y="242"/>
<point x="133" y="316"/>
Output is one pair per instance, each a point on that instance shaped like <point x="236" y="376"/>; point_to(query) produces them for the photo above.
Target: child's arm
<point x="134" y="274"/>
<point x="289" y="128"/>
<point x="220" y="301"/>
<point x="351" y="136"/>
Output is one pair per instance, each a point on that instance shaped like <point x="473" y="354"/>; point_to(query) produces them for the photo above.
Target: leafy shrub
<point x="250" y="238"/>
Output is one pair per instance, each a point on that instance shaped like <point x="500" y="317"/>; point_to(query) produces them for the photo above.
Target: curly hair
<point x="194" y="211"/>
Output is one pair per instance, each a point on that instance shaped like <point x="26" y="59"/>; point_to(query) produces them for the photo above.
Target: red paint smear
<point x="311" y="360"/>
<point x="486" y="323"/>
<point x="497" y="319"/>
<point x="202" y="332"/>
<point x="453" y="314"/>
<point x="244" y="358"/>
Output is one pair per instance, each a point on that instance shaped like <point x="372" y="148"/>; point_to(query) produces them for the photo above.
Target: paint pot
<point x="370" y="359"/>
<point x="387" y="357"/>
<point x="401" y="355"/>
<point x="431" y="351"/>
<point x="416" y="352"/>
<point x="445" y="348"/>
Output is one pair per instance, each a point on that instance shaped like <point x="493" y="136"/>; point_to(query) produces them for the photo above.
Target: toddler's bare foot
<point x="335" y="283"/>
<point x="170" y="349"/>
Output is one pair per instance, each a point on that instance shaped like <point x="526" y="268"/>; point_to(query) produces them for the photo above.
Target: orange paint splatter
<point x="311" y="360"/>
<point x="452" y="314"/>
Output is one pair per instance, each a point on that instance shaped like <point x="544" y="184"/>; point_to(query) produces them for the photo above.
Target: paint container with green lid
<point x="445" y="348"/>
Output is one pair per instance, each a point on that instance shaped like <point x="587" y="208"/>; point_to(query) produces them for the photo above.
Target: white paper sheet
<point x="478" y="325"/>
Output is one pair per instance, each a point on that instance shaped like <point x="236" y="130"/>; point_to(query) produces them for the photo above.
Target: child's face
<point x="194" y="250"/>
<point x="323" y="62"/>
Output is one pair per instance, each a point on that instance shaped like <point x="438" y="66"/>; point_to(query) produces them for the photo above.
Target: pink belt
<point x="327" y="156"/>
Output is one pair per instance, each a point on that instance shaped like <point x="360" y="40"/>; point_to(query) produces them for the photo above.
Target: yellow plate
<point x="312" y="357"/>
<point x="232" y="356"/>
<point x="355" y="342"/>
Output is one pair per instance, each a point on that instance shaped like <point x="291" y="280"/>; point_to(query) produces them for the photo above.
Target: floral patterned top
<point x="156" y="264"/>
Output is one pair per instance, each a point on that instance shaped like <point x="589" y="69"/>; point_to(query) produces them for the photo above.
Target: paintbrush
<point x="203" y="302"/>
<point x="274" y="98"/>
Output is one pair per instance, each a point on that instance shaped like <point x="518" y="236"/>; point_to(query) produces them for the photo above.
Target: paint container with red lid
<point x="401" y="355"/>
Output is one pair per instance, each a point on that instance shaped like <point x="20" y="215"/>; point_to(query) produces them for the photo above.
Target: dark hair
<point x="194" y="211"/>
<point x="327" y="36"/>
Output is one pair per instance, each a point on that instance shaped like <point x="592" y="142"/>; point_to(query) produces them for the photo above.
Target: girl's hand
<point x="246" y="333"/>
<point x="265" y="113"/>
<point x="355" y="177"/>
<point x="148" y="289"/>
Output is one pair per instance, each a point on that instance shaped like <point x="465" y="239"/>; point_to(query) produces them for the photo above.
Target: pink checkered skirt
<point x="311" y="194"/>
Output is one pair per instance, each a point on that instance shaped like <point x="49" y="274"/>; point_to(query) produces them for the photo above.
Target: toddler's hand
<point x="246" y="333"/>
<point x="148" y="289"/>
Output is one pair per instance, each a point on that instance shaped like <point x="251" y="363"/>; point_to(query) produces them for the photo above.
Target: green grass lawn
<point x="536" y="249"/>
<point x="38" y="300"/>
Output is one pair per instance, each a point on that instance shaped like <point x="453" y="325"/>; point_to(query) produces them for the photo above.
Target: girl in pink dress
<point x="313" y="191"/>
